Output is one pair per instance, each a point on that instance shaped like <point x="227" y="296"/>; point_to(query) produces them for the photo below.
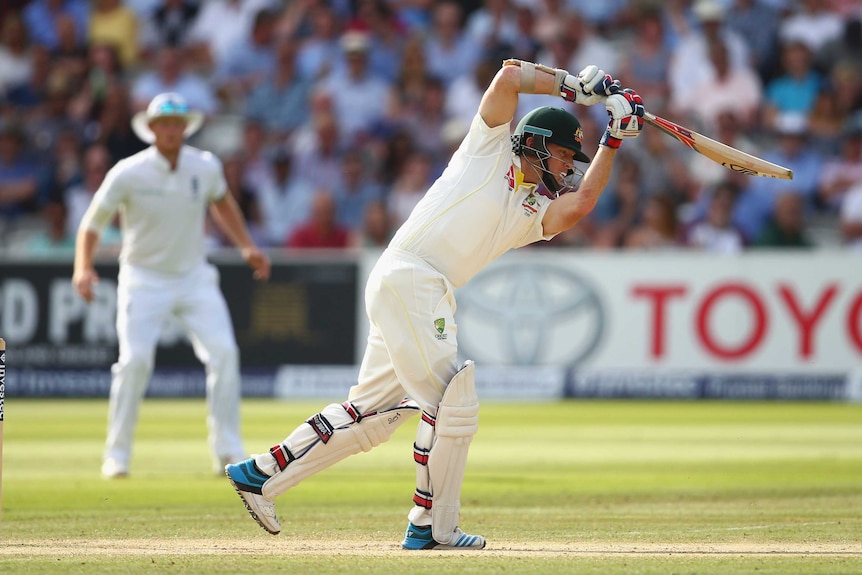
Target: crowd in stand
<point x="333" y="117"/>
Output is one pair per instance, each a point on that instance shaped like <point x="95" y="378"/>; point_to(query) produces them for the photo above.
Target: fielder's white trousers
<point x="145" y="299"/>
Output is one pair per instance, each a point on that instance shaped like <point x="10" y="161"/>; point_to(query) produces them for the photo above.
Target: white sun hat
<point x="167" y="104"/>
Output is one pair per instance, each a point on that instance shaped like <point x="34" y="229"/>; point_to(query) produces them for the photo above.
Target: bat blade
<point x="727" y="156"/>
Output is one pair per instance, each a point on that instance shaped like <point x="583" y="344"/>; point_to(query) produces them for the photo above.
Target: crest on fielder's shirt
<point x="195" y="184"/>
<point x="440" y="324"/>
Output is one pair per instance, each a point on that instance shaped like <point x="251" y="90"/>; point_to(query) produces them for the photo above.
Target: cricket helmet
<point x="550" y="125"/>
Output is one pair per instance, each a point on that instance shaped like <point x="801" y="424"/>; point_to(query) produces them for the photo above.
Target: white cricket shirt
<point x="477" y="210"/>
<point x="162" y="212"/>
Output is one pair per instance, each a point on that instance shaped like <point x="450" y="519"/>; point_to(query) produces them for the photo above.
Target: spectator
<point x="19" y="176"/>
<point x="689" y="64"/>
<point x="248" y="62"/>
<point x="280" y="102"/>
<point x="361" y="109"/>
<point x="245" y="198"/>
<point x="426" y="123"/>
<point x="321" y="229"/>
<point x="16" y="56"/>
<point x="70" y="58"/>
<point x="716" y="232"/>
<point x="219" y="25"/>
<point x="77" y="197"/>
<point x="795" y="90"/>
<point x="322" y="47"/>
<point x="843" y="171"/>
<point x="492" y="24"/>
<point x="105" y="72"/>
<point x="409" y="187"/>
<point x="757" y="201"/>
<point x="812" y="24"/>
<point x="730" y="89"/>
<point x="355" y="190"/>
<point x="851" y="218"/>
<point x="170" y="75"/>
<point x="113" y="23"/>
<point x="786" y="226"/>
<point x="255" y="152"/>
<point x="41" y="17"/>
<point x="406" y="90"/>
<point x="50" y="240"/>
<point x="645" y="56"/>
<point x="757" y="22"/>
<point x="376" y="230"/>
<point x="285" y="200"/>
<point x="449" y="51"/>
<point x="465" y="93"/>
<point x="387" y="35"/>
<point x="113" y="126"/>
<point x="28" y="97"/>
<point x="169" y="24"/>
<point x="63" y="167"/>
<point x="319" y="152"/>
<point x="658" y="228"/>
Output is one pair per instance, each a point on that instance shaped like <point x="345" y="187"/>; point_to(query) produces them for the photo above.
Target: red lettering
<point x="854" y="322"/>
<point x="806" y="322"/>
<point x="747" y="345"/>
<point x="658" y="296"/>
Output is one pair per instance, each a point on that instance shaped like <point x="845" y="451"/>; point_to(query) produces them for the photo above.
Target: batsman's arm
<point x="229" y="218"/>
<point x="569" y="209"/>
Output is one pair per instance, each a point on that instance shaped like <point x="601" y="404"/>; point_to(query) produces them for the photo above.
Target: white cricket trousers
<point x="145" y="299"/>
<point x="412" y="343"/>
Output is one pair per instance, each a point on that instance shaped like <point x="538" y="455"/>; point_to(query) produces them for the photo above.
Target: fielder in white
<point x="162" y="195"/>
<point x="486" y="202"/>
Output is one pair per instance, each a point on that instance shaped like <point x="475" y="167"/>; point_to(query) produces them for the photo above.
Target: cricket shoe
<point x="113" y="469"/>
<point x="248" y="481"/>
<point x="421" y="538"/>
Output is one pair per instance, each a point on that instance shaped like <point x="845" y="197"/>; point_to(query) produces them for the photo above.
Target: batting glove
<point x="589" y="87"/>
<point x="626" y="110"/>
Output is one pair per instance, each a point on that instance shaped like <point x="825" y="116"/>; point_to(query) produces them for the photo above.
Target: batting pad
<point x="457" y="423"/>
<point x="364" y="435"/>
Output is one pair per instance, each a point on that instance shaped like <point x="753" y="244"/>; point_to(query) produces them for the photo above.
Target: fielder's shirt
<point x="162" y="212"/>
<point x="477" y="210"/>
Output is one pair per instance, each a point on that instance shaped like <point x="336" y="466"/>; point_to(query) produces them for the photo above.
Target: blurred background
<point x="333" y="117"/>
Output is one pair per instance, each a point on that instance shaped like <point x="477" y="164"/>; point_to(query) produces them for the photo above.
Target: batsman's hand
<point x="626" y="110"/>
<point x="257" y="261"/>
<point x="591" y="86"/>
<point x="84" y="280"/>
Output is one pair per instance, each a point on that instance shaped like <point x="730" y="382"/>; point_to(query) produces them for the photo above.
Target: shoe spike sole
<point x="248" y="507"/>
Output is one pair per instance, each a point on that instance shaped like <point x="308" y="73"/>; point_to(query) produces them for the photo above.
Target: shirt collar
<point x="519" y="175"/>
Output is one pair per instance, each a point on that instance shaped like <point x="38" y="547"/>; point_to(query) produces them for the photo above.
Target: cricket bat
<point x="727" y="156"/>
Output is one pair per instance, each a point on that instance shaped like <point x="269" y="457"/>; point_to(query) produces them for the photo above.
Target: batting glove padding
<point x="626" y="109"/>
<point x="589" y="87"/>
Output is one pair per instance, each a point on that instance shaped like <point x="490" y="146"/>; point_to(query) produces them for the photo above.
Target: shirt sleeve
<point x="218" y="188"/>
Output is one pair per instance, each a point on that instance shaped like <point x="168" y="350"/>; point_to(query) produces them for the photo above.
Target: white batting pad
<point x="457" y="423"/>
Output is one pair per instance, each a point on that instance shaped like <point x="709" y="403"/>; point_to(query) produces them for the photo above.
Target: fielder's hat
<point x="166" y="104"/>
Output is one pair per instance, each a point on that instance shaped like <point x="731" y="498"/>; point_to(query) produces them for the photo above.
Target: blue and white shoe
<point x="248" y="481"/>
<point x="420" y="538"/>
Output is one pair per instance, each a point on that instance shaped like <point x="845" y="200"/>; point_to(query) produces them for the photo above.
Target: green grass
<point x="570" y="487"/>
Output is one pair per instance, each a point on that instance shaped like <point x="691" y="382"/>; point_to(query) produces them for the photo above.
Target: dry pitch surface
<point x="158" y="547"/>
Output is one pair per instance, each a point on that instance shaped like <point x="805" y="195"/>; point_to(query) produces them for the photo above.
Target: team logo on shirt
<point x="510" y="178"/>
<point x="579" y="135"/>
<point x="440" y="325"/>
<point x="195" y="187"/>
<point x="529" y="205"/>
